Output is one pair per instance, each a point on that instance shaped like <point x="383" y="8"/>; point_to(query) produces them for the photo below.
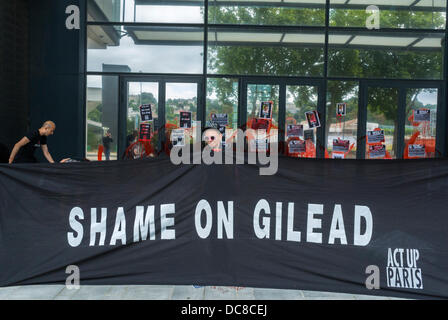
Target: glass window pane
<point x="382" y="113"/>
<point x="368" y="55"/>
<point x="300" y="99"/>
<point x="105" y="10"/>
<point x="140" y="93"/>
<point x="417" y="131"/>
<point x="404" y="14"/>
<point x="258" y="93"/>
<point x="271" y="53"/>
<point x="344" y="127"/>
<point x="297" y="13"/>
<point x="222" y="98"/>
<point x="145" y="49"/>
<point x="154" y="11"/>
<point x="102" y="116"/>
<point x="180" y="97"/>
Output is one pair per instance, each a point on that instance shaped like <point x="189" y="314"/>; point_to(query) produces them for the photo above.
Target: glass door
<point x="420" y="123"/>
<point x="285" y="103"/>
<point x="398" y="120"/>
<point x="168" y="96"/>
<point x="299" y="138"/>
<point x="140" y="93"/>
<point x="382" y="123"/>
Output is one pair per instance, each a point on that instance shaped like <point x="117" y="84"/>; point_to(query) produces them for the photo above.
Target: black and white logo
<point x="402" y="269"/>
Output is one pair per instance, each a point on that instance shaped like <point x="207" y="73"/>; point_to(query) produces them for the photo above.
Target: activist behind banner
<point x="314" y="225"/>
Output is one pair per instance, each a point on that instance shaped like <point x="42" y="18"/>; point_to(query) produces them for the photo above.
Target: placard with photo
<point x="146" y="112"/>
<point x="422" y="115"/>
<point x="185" y="119"/>
<point x="266" y="110"/>
<point x="178" y="137"/>
<point x="297" y="146"/>
<point x="377" y="151"/>
<point x="341" y="145"/>
<point x="294" y="130"/>
<point x="375" y="136"/>
<point x="313" y="119"/>
<point x="416" y="150"/>
<point x="341" y="109"/>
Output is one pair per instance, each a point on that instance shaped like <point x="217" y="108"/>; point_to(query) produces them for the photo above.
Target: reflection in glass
<point x="158" y="12"/>
<point x="145" y="11"/>
<point x="102" y="115"/>
<point x="382" y="112"/>
<point x="300" y="99"/>
<point x="104" y="10"/>
<point x="421" y="132"/>
<point x="392" y="13"/>
<point x="265" y="60"/>
<point x="405" y="56"/>
<point x="257" y="13"/>
<point x="345" y="127"/>
<point x="145" y="49"/>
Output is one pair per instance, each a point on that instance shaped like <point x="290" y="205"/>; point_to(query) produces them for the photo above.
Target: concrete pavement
<point x="167" y="292"/>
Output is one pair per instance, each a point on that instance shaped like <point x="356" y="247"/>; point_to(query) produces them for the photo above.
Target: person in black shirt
<point x="23" y="151"/>
<point x="106" y="143"/>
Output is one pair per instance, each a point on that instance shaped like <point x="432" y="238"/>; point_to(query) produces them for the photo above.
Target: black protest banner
<point x="325" y="225"/>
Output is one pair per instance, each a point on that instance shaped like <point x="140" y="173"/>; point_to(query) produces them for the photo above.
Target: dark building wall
<point x="56" y="75"/>
<point x="13" y="70"/>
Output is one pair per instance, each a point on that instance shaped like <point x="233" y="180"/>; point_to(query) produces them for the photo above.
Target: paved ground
<point x="156" y="292"/>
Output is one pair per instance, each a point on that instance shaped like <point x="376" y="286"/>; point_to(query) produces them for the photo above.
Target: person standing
<point x="23" y="151"/>
<point x="106" y="144"/>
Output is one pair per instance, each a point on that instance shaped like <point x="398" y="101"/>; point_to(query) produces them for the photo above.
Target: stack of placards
<point x="340" y="145"/>
<point x="375" y="136"/>
<point x="294" y="130"/>
<point x="220" y="121"/>
<point x="145" y="126"/>
<point x="377" y="151"/>
<point x="145" y="131"/>
<point x="340" y="148"/>
<point x="416" y="150"/>
<point x="297" y="146"/>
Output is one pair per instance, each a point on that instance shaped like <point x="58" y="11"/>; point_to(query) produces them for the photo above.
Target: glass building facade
<point x="384" y="59"/>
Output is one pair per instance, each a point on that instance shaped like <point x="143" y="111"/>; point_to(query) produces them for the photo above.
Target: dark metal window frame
<point x="321" y="82"/>
<point x="162" y="80"/>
